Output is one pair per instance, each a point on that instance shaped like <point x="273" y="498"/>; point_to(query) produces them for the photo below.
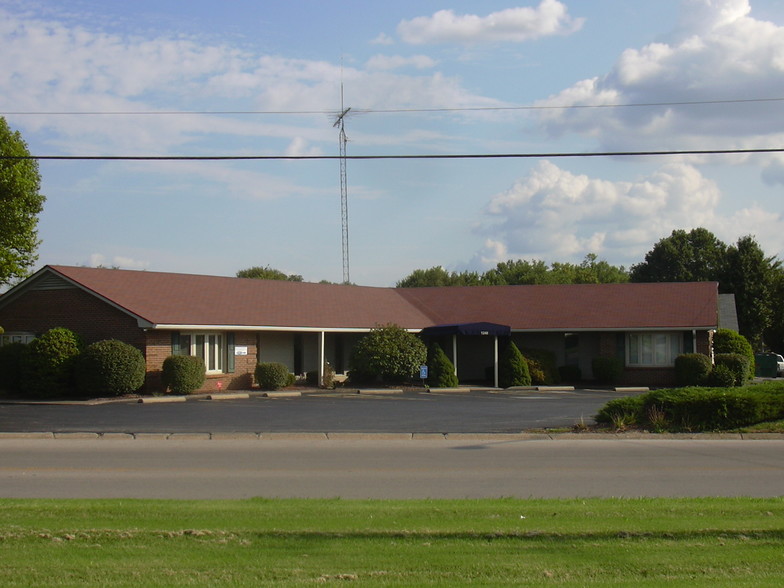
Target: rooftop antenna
<point x="342" y="140"/>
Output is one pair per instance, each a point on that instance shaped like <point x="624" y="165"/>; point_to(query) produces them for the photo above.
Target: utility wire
<point x="551" y="155"/>
<point x="383" y="110"/>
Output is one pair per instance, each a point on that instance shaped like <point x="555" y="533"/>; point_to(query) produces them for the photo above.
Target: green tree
<point x="20" y="205"/>
<point x="726" y="341"/>
<point x="750" y="276"/>
<point x="438" y="276"/>
<point x="774" y="333"/>
<point x="267" y="273"/>
<point x="517" y="272"/>
<point x="389" y="353"/>
<point x="696" y="256"/>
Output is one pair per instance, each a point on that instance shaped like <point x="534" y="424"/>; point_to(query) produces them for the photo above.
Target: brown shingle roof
<point x="183" y="299"/>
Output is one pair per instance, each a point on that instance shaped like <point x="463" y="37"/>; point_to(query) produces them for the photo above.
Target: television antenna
<point x="342" y="140"/>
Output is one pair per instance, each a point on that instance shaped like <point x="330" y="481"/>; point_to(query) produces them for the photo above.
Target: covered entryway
<point x="491" y="331"/>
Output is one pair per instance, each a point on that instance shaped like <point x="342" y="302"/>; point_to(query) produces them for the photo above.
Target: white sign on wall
<point x="240" y="350"/>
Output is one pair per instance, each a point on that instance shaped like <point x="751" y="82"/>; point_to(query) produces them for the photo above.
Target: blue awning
<point x="468" y="329"/>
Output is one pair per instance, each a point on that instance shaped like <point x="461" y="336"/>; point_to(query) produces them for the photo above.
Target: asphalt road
<point x="412" y="412"/>
<point x="479" y="467"/>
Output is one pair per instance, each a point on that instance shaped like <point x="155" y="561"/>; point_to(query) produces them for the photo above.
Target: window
<point x="653" y="349"/>
<point x="11" y="337"/>
<point x="209" y="346"/>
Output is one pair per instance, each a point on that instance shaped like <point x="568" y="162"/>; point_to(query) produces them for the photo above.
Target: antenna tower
<point x="342" y="140"/>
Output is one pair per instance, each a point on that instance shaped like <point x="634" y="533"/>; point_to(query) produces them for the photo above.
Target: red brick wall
<point x="38" y="311"/>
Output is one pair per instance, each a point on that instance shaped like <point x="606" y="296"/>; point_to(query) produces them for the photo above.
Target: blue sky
<point x="193" y="62"/>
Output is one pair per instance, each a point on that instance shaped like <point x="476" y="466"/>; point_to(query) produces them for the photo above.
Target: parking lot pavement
<point x="371" y="411"/>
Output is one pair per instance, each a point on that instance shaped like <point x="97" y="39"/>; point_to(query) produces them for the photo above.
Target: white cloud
<point x="720" y="52"/>
<point x="119" y="261"/>
<point x="557" y="215"/>
<point x="383" y="39"/>
<point x="387" y="62"/>
<point x="511" y="25"/>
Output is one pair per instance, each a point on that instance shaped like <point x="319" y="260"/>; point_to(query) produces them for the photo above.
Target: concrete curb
<point x="386" y="436"/>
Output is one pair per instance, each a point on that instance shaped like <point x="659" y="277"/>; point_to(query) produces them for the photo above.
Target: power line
<point x="550" y="155"/>
<point x="386" y="110"/>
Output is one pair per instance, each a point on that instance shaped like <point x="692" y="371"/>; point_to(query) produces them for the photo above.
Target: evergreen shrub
<point x="47" y="364"/>
<point x="111" y="368"/>
<point x="722" y="376"/>
<point x="728" y="341"/>
<point x="272" y="375"/>
<point x="692" y="369"/>
<point x="388" y="353"/>
<point x="513" y="368"/>
<point x="737" y="364"/>
<point x="183" y="374"/>
<point x="607" y="370"/>
<point x="440" y="369"/>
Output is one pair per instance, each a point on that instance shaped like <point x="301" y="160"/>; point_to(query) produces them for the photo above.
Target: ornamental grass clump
<point x="183" y="374"/>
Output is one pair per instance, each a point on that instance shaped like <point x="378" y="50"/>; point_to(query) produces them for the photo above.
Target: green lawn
<point x="511" y="542"/>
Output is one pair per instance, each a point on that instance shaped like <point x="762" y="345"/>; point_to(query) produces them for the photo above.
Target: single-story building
<point x="233" y="323"/>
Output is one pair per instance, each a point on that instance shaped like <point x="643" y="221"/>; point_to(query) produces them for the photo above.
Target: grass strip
<point x="260" y="542"/>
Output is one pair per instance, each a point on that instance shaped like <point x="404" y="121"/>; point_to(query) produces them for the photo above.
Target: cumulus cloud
<point x="119" y="261"/>
<point x="719" y="52"/>
<point x="555" y="214"/>
<point x="513" y="25"/>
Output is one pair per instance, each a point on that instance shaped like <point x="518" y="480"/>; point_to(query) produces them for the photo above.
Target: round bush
<point x="111" y="368"/>
<point x="737" y="364"/>
<point x="727" y="341"/>
<point x="388" y="353"/>
<point x="183" y="374"/>
<point x="440" y="370"/>
<point x="607" y="370"/>
<point x="272" y="375"/>
<point x="47" y="363"/>
<point x="513" y="368"/>
<point x="722" y="376"/>
<point x="692" y="369"/>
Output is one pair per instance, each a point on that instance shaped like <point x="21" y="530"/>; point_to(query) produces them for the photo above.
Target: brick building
<point x="233" y="323"/>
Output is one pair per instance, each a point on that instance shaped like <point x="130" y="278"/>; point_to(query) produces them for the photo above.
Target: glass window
<point x="12" y="337"/>
<point x="209" y="346"/>
<point x="653" y="349"/>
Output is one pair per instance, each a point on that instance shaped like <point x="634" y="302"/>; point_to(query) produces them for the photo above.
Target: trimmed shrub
<point x="698" y="408"/>
<point x="570" y="373"/>
<point x="440" y="369"/>
<point x="542" y="366"/>
<point x="737" y="364"/>
<point x="11" y="366"/>
<point x="110" y="367"/>
<point x="47" y="364"/>
<point x="272" y="375"/>
<point x="692" y="369"/>
<point x="513" y="368"/>
<point x="727" y="341"/>
<point x="722" y="376"/>
<point x="388" y="353"/>
<point x="183" y="374"/>
<point x="607" y="370"/>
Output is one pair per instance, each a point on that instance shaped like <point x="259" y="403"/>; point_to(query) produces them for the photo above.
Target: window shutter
<point x="230" y="353"/>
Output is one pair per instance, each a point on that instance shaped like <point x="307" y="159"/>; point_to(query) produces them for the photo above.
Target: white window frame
<point x="653" y="348"/>
<point x="212" y="349"/>
<point x="16" y="337"/>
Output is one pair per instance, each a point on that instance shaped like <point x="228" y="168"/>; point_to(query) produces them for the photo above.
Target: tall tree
<point x="696" y="256"/>
<point x="751" y="276"/>
<point x="20" y="205"/>
<point x="267" y="273"/>
<point x="438" y="276"/>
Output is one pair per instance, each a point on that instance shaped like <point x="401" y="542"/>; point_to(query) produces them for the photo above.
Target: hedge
<point x="272" y="375"/>
<point x="183" y="374"/>
<point x="111" y="368"/>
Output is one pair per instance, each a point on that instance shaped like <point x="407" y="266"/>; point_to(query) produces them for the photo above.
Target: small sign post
<point x="423" y="374"/>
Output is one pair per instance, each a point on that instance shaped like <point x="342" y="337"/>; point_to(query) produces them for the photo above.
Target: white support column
<point x="454" y="352"/>
<point x="495" y="361"/>
<point x="322" y="356"/>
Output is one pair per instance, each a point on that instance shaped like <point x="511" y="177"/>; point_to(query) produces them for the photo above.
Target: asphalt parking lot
<point x="320" y="412"/>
